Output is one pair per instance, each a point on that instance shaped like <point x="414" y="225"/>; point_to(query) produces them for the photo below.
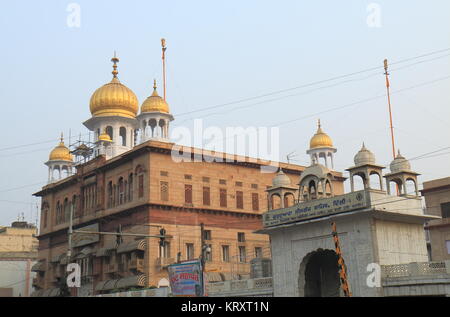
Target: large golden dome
<point x="114" y="98"/>
<point x="320" y="139"/>
<point x="60" y="153"/>
<point x="155" y="103"/>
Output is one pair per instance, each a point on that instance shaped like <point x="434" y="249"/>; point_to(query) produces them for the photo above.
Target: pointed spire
<point x="61" y="139"/>
<point x="319" y="126"/>
<point x="155" y="93"/>
<point x="115" y="60"/>
<point x="363" y="147"/>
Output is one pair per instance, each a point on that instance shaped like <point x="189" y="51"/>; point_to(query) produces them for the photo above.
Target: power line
<point x="308" y="84"/>
<point x="279" y="91"/>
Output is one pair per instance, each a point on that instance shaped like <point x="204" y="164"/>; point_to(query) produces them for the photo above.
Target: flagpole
<point x="390" y="109"/>
<point x="163" y="46"/>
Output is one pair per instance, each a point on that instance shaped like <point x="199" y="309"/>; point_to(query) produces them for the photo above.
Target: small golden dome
<point x="320" y="139"/>
<point x="114" y="98"/>
<point x="60" y="153"/>
<point x="104" y="137"/>
<point x="155" y="103"/>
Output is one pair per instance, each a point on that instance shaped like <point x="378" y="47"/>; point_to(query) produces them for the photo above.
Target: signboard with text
<point x="186" y="278"/>
<point x="316" y="208"/>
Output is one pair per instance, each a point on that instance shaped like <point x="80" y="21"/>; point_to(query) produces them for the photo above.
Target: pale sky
<point x="221" y="52"/>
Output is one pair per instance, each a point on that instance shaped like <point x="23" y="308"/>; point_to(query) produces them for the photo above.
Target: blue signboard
<point x="186" y="278"/>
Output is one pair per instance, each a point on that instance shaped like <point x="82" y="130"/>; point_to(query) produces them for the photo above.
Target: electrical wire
<point x="309" y="84"/>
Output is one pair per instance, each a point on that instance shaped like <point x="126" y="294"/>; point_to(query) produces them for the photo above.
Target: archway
<point x="319" y="274"/>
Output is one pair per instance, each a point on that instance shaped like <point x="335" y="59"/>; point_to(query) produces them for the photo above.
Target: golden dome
<point x="320" y="139"/>
<point x="114" y="98"/>
<point x="60" y="153"/>
<point x="155" y="103"/>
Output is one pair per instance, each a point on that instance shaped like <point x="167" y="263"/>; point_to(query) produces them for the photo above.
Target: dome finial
<point x="115" y="60"/>
<point x="155" y="93"/>
<point x="318" y="123"/>
<point x="62" y="138"/>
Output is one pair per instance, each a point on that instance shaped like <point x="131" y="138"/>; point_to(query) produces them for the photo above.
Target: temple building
<point x="330" y="243"/>
<point x="128" y="181"/>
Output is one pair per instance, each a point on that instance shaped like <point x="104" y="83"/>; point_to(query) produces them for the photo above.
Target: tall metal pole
<point x="163" y="45"/>
<point x="389" y="103"/>
<point x="202" y="256"/>
<point x="69" y="250"/>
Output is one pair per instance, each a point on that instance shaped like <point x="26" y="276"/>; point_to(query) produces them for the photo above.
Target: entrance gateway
<point x="375" y="223"/>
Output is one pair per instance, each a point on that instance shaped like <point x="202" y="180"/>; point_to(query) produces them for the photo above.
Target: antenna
<point x="289" y="156"/>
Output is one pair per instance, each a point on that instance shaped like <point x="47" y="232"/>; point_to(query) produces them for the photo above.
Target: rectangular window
<point x="188" y="194"/>
<point x="208" y="255"/>
<point x="447" y="243"/>
<point x="226" y="253"/>
<point x="239" y="184"/>
<point x="242" y="256"/>
<point x="164" y="173"/>
<point x="206" y="196"/>
<point x="223" y="197"/>
<point x="445" y="209"/>
<point x="258" y="252"/>
<point x="164" y="252"/>
<point x="255" y="186"/>
<point x="255" y="201"/>
<point x="187" y="176"/>
<point x="190" y="251"/>
<point x="205" y="179"/>
<point x="141" y="186"/>
<point x="241" y="237"/>
<point x="207" y="234"/>
<point x="239" y="200"/>
<point x="222" y="182"/>
<point x="164" y="191"/>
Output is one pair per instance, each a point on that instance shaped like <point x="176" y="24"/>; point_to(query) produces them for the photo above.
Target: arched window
<point x="123" y="136"/>
<point x="121" y="191"/>
<point x="109" y="130"/>
<point x="288" y="200"/>
<point x="275" y="201"/>
<point x="66" y="210"/>
<point x="110" y="194"/>
<point x="125" y="195"/>
<point x="75" y="207"/>
<point x="44" y="216"/>
<point x="375" y="181"/>
<point x="114" y="195"/>
<point x="58" y="213"/>
<point x="130" y="187"/>
<point x="140" y="176"/>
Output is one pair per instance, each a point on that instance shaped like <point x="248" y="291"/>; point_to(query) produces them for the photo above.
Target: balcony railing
<point x="416" y="269"/>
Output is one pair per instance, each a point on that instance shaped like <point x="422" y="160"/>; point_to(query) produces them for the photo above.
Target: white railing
<point x="416" y="269"/>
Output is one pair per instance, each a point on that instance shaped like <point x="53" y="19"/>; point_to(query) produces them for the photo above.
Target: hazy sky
<point x="220" y="52"/>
